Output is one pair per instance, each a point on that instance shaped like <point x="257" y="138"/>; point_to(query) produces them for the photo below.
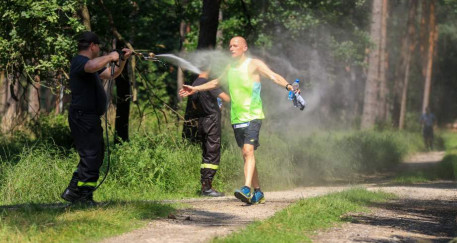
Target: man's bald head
<point x="240" y="40"/>
<point x="238" y="46"/>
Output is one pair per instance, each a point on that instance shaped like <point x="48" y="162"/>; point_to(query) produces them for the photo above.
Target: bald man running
<point x="246" y="114"/>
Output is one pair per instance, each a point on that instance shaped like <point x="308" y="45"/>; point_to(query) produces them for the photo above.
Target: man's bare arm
<point x="117" y="70"/>
<point x="266" y="72"/>
<point x="190" y="90"/>
<point x="224" y="97"/>
<point x="98" y="63"/>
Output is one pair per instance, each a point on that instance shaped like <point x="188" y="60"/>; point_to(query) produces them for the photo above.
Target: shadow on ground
<point x="25" y="218"/>
<point x="433" y="218"/>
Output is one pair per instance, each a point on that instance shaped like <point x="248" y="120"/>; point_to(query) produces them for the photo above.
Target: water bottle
<point x="295" y="86"/>
<point x="297" y="99"/>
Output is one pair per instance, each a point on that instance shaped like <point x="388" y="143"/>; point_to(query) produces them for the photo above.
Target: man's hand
<point x="187" y="90"/>
<point x="114" y="56"/>
<point x="290" y="88"/>
<point x="127" y="53"/>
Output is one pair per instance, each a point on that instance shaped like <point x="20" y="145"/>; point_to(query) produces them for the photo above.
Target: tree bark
<point x="408" y="46"/>
<point x="383" y="62"/>
<point x="183" y="30"/>
<point x="4" y="92"/>
<point x="85" y="16"/>
<point x="219" y="32"/>
<point x="10" y="117"/>
<point x="371" y="86"/>
<point x="209" y="22"/>
<point x="431" y="46"/>
<point x="34" y="97"/>
<point x="424" y="33"/>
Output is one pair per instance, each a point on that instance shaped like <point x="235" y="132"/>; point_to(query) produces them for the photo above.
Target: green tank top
<point x="246" y="104"/>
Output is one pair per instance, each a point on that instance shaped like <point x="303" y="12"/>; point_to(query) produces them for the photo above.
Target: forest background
<point x="367" y="70"/>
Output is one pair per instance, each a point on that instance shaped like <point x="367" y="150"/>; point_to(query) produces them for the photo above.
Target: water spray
<point x="173" y="59"/>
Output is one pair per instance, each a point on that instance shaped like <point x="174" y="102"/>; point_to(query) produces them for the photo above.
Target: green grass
<point x="39" y="223"/>
<point x="297" y="222"/>
<point x="156" y="164"/>
<point x="412" y="178"/>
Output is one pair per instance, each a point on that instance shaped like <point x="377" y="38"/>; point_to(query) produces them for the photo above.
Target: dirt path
<point x="423" y="212"/>
<point x="418" y="214"/>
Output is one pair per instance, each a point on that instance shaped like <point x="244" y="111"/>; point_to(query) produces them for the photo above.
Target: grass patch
<point x="411" y="178"/>
<point x="40" y="223"/>
<point x="296" y="222"/>
<point x="449" y="163"/>
<point x="444" y="170"/>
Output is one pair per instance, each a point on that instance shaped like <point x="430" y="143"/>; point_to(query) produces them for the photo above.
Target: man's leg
<point x="251" y="175"/>
<point x="210" y="131"/>
<point x="88" y="138"/>
<point x="250" y="171"/>
<point x="255" y="179"/>
<point x="248" y="140"/>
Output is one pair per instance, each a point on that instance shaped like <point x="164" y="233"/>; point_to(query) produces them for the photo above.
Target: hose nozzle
<point x="146" y="56"/>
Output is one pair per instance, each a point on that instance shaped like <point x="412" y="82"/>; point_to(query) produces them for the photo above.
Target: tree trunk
<point x="60" y="96"/>
<point x="383" y="65"/>
<point x="372" y="82"/>
<point x="122" y="106"/>
<point x="4" y="92"/>
<point x="123" y="126"/>
<point x="85" y="16"/>
<point x="209" y="22"/>
<point x="184" y="28"/>
<point x="408" y="46"/>
<point x="34" y="97"/>
<point x="219" y="33"/>
<point x="10" y="117"/>
<point x="424" y="33"/>
<point x="431" y="46"/>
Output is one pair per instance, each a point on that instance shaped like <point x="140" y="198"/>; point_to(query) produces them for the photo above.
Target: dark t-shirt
<point x="87" y="91"/>
<point x="205" y="103"/>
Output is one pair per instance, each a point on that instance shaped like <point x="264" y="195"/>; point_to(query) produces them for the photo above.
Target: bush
<point x="51" y="128"/>
<point x="40" y="175"/>
<point x="447" y="168"/>
<point x="341" y="154"/>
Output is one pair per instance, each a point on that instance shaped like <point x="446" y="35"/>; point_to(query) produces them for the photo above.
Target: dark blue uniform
<point x="208" y="112"/>
<point x="88" y="103"/>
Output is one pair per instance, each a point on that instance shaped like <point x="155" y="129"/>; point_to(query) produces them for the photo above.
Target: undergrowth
<point x="159" y="164"/>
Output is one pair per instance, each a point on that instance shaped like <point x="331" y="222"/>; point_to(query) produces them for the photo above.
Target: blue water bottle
<point x="295" y="86"/>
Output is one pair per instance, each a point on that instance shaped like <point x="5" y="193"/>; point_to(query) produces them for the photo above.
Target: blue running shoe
<point x="244" y="194"/>
<point x="258" y="197"/>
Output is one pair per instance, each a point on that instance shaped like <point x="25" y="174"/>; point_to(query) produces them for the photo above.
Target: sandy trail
<point x="422" y="212"/>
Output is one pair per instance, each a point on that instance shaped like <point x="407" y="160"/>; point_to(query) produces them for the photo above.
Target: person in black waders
<point x="88" y="104"/>
<point x="207" y="109"/>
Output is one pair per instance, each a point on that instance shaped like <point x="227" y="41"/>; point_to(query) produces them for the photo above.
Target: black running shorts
<point x="247" y="133"/>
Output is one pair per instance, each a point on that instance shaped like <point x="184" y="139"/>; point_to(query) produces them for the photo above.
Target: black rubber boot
<point x="80" y="195"/>
<point x="71" y="192"/>
<point x="208" y="190"/>
<point x="86" y="194"/>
